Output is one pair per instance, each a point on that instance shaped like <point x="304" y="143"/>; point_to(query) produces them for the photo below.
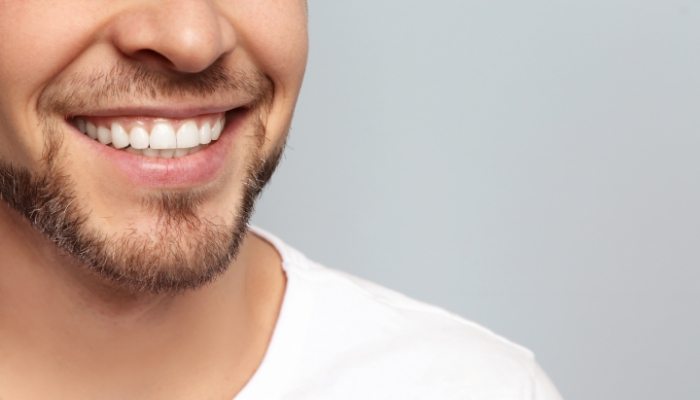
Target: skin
<point x="67" y="333"/>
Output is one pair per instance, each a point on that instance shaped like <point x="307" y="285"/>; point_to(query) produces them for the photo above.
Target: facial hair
<point x="186" y="250"/>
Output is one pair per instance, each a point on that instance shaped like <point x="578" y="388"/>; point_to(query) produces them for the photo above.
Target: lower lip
<point x="192" y="170"/>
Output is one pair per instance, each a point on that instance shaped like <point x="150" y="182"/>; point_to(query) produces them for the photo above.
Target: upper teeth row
<point x="163" y="134"/>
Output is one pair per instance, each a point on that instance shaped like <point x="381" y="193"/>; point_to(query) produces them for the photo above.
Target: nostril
<point x="180" y="36"/>
<point x="149" y="56"/>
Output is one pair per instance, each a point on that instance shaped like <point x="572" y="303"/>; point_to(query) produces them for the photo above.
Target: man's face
<point x="109" y="118"/>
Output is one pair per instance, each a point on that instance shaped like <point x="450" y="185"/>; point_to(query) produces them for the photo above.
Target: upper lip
<point x="174" y="111"/>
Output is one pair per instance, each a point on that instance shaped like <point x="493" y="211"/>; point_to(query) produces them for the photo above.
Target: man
<point x="134" y="138"/>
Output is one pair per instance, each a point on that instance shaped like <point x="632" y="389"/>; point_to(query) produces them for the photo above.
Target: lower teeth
<point x="164" y="153"/>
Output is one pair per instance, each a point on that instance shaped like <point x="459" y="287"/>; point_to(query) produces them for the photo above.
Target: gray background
<point x="531" y="165"/>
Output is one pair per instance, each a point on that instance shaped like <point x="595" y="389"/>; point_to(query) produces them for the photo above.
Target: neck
<point x="64" y="327"/>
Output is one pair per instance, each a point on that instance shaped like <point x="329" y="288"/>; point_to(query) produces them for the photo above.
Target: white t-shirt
<point x="342" y="337"/>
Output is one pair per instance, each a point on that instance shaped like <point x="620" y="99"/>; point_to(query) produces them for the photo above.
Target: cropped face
<point x="136" y="134"/>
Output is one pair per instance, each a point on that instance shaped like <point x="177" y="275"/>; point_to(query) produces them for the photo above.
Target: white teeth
<point x="165" y="153"/>
<point x="104" y="135"/>
<point x="138" y="138"/>
<point x="163" y="136"/>
<point x="216" y="129"/>
<point x="120" y="138"/>
<point x="163" y="141"/>
<point x="188" y="135"/>
<point x="205" y="134"/>
<point x="91" y="130"/>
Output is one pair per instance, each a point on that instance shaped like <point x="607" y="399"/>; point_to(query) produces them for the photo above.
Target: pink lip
<point x="189" y="171"/>
<point x="158" y="112"/>
<point x="165" y="111"/>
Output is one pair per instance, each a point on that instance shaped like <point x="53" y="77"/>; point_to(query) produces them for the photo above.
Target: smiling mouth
<point x="155" y="137"/>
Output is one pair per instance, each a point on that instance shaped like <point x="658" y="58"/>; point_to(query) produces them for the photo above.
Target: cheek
<point x="274" y="33"/>
<point x="284" y="54"/>
<point x="39" y="39"/>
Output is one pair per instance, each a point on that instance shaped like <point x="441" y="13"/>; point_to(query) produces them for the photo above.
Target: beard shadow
<point x="185" y="251"/>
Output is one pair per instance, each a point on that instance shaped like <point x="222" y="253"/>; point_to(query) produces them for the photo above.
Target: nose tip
<point x="184" y="36"/>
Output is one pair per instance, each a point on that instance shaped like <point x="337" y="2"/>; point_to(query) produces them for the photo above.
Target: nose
<point x="181" y="35"/>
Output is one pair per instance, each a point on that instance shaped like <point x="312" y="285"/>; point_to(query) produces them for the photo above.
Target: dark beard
<point x="187" y="251"/>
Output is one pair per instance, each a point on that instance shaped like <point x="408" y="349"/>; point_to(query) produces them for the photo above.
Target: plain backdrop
<point x="530" y="165"/>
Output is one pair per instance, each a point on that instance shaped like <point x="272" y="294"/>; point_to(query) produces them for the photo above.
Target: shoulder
<point x="368" y="331"/>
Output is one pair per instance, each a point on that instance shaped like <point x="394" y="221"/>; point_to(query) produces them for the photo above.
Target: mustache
<point x="127" y="82"/>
